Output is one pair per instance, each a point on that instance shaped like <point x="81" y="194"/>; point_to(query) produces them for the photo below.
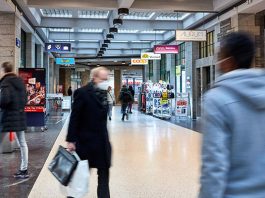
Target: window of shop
<point x="151" y="69"/>
<point x="207" y="47"/>
<point x="180" y="69"/>
<point x="163" y="67"/>
<point x="75" y="79"/>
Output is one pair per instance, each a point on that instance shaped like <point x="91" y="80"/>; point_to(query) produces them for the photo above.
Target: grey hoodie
<point x="233" y="148"/>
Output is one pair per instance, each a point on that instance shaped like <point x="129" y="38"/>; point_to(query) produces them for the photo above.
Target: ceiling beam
<point x="95" y="36"/>
<point x="125" y="3"/>
<point x="49" y="22"/>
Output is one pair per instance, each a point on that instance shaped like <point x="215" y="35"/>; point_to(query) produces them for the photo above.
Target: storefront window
<point x="207" y="47"/>
<point x="180" y="69"/>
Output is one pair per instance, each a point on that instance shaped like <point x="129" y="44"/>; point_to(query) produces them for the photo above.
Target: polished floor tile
<point x="151" y="159"/>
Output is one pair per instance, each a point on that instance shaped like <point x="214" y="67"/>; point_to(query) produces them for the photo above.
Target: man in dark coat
<point x="125" y="98"/>
<point x="12" y="117"/>
<point x="87" y="131"/>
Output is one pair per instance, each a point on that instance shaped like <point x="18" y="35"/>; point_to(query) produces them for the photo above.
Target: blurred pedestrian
<point x="13" y="99"/>
<point x="131" y="103"/>
<point x="87" y="131"/>
<point x="233" y="145"/>
<point x="111" y="101"/>
<point x="69" y="91"/>
<point x="125" y="98"/>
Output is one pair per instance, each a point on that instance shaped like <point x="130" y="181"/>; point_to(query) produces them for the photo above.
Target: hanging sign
<point x="58" y="47"/>
<point x="191" y="35"/>
<point x="65" y="61"/>
<point x="139" y="61"/>
<point x="150" y="56"/>
<point x="166" y="49"/>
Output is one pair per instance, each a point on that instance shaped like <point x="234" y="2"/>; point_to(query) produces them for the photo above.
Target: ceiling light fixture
<point x="101" y="52"/>
<point x="98" y="65"/>
<point x="113" y="30"/>
<point x="123" y="62"/>
<point x="110" y="36"/>
<point x="117" y="22"/>
<point x="105" y="45"/>
<point x="123" y="11"/>
<point x="102" y="49"/>
<point x="99" y="55"/>
<point x="106" y="41"/>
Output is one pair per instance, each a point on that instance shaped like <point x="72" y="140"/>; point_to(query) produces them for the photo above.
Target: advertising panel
<point x="65" y="61"/>
<point x="166" y="49"/>
<point x="34" y="80"/>
<point x="191" y="35"/>
<point x="57" y="47"/>
<point x="139" y="62"/>
<point x="182" y="105"/>
<point x="150" y="56"/>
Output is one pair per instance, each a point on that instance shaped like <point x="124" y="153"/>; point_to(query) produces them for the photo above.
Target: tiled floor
<point x="151" y="159"/>
<point x="40" y="144"/>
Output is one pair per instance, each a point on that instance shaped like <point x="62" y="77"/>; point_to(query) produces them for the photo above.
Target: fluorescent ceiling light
<point x="90" y="41"/>
<point x="64" y="40"/>
<point x="93" y="14"/>
<point x="56" y="13"/>
<point x="140" y="15"/>
<point x="125" y="31"/>
<point x="115" y="41"/>
<point x="153" y="32"/>
<point x="91" y="30"/>
<point x="61" y="29"/>
<point x="173" y="16"/>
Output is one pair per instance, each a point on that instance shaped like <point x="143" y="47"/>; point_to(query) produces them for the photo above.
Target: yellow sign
<point x="139" y="62"/>
<point x="150" y="56"/>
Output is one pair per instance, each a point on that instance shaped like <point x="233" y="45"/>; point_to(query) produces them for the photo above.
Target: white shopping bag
<point x="78" y="185"/>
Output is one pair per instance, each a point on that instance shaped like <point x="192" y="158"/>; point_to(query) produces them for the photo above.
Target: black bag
<point x="63" y="166"/>
<point x="127" y="97"/>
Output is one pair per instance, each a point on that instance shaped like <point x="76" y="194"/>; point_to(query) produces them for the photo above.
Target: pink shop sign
<point x="166" y="49"/>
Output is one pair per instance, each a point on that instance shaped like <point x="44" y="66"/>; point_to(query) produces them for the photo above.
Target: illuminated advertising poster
<point x="34" y="80"/>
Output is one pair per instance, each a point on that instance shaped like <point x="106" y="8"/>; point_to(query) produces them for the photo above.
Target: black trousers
<point x="103" y="183"/>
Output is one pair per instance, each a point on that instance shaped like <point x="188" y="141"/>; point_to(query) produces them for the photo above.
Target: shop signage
<point x="18" y="43"/>
<point x="139" y="61"/>
<point x="191" y="35"/>
<point x="58" y="47"/>
<point x="150" y="56"/>
<point x="166" y="49"/>
<point x="182" y="104"/>
<point x="65" y="61"/>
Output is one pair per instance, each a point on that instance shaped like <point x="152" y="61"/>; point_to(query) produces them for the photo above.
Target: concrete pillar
<point x="10" y="29"/>
<point x="40" y="54"/>
<point x="51" y="76"/>
<point x="117" y="83"/>
<point x="46" y="64"/>
<point x="85" y="77"/>
<point x="30" y="50"/>
<point x="156" y="73"/>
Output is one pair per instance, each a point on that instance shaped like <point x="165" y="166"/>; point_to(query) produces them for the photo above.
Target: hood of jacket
<point x="14" y="80"/>
<point x="246" y="84"/>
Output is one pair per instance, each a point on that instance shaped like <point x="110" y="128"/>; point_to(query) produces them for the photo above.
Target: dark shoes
<point x="130" y="112"/>
<point x="21" y="174"/>
<point x="109" y="118"/>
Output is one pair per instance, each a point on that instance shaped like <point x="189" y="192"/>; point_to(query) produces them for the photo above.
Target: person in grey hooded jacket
<point x="233" y="148"/>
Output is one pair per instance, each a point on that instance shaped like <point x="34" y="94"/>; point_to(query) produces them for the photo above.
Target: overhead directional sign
<point x="65" y="61"/>
<point x="139" y="61"/>
<point x="191" y="35"/>
<point x="150" y="56"/>
<point x="58" y="47"/>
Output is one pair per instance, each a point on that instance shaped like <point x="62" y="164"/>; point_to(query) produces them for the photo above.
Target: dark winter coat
<point x="88" y="128"/>
<point x="12" y="103"/>
<point x="125" y="96"/>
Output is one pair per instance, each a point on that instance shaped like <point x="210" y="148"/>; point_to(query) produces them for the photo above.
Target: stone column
<point x="40" y="54"/>
<point x="51" y="82"/>
<point x="30" y="50"/>
<point x="156" y="66"/>
<point x="10" y="29"/>
<point x="46" y="66"/>
<point x="117" y="83"/>
<point x="85" y="77"/>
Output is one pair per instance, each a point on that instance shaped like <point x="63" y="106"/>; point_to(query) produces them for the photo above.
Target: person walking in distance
<point x="87" y="131"/>
<point x="69" y="91"/>
<point x="111" y="101"/>
<point x="233" y="145"/>
<point x="125" y="98"/>
<point x="131" y="103"/>
<point x="12" y="116"/>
